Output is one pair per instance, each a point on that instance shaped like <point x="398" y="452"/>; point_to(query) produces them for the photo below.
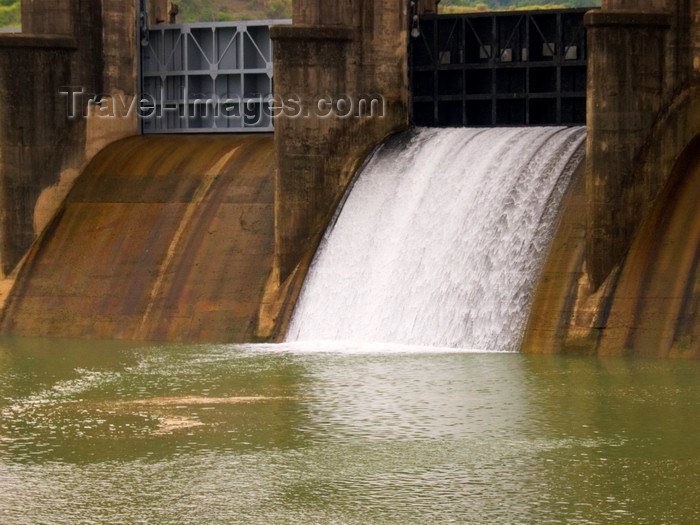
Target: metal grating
<point x="499" y="69"/>
<point x="207" y="77"/>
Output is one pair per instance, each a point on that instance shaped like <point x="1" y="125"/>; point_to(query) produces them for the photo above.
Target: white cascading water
<point x="440" y="240"/>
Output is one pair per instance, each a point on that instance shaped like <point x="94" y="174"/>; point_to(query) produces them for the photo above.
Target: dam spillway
<point x="438" y="243"/>
<point x="440" y="239"/>
<point x="162" y="238"/>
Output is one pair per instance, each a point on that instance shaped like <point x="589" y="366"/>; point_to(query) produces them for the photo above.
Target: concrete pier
<point x="90" y="45"/>
<point x="334" y="52"/>
<point x="626" y="90"/>
<point x="344" y="67"/>
<point x="619" y="279"/>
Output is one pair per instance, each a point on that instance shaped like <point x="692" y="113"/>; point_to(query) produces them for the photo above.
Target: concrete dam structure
<point x="162" y="238"/>
<point x="210" y="238"/>
<point x="619" y="281"/>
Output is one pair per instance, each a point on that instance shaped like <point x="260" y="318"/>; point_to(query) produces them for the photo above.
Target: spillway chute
<point x="441" y="239"/>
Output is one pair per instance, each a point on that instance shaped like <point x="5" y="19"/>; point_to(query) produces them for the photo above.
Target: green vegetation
<point x="10" y="13"/>
<point x="225" y="10"/>
<point x="221" y="10"/>
<point x="465" y="6"/>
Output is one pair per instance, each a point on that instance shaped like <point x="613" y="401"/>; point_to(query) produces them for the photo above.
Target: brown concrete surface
<point x="553" y="311"/>
<point x="655" y="309"/>
<point x="33" y="134"/>
<point x="650" y="305"/>
<point x="349" y="48"/>
<point x="626" y="92"/>
<point x="63" y="43"/>
<point x="642" y="62"/>
<point x="162" y="238"/>
<point x="627" y="286"/>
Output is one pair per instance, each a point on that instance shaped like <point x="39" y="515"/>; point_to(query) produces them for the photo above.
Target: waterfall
<point x="440" y="239"/>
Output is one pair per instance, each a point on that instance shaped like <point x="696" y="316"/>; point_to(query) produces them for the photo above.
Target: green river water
<point x="108" y="432"/>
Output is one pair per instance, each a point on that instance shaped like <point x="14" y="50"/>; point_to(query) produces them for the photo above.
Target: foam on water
<point x="440" y="240"/>
<point x="349" y="348"/>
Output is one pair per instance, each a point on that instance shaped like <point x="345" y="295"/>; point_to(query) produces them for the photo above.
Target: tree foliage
<point x="226" y="10"/>
<point x="10" y="13"/>
<point x="489" y="5"/>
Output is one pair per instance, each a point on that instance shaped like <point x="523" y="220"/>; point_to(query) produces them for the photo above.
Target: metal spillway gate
<point x="508" y="68"/>
<point x="207" y="77"/>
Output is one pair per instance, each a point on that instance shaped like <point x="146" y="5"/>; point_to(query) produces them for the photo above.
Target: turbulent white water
<point x="440" y="240"/>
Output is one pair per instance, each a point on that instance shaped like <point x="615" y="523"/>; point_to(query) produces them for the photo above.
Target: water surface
<point x="123" y="433"/>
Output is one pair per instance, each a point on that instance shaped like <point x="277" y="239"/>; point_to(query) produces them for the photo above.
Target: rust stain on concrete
<point x="650" y="305"/>
<point x="654" y="312"/>
<point x="162" y="238"/>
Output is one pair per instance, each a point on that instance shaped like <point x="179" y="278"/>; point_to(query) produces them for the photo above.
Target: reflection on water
<point x="115" y="433"/>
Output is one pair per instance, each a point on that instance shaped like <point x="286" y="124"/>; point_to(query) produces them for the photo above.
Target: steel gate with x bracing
<point x="206" y="77"/>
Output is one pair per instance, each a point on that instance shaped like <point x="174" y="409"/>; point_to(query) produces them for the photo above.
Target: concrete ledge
<point x="295" y="32"/>
<point x="37" y="41"/>
<point x="598" y="18"/>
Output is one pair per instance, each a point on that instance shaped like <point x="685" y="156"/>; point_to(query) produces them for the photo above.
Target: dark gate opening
<point x="522" y="68"/>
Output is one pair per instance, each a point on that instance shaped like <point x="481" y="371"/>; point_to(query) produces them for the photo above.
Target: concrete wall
<point x="643" y="113"/>
<point x="640" y="61"/>
<point x="336" y="49"/>
<point x="626" y="92"/>
<point x="89" y="44"/>
<point x="653" y="311"/>
<point x="648" y="305"/>
<point x="34" y="129"/>
<point x="162" y="238"/>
